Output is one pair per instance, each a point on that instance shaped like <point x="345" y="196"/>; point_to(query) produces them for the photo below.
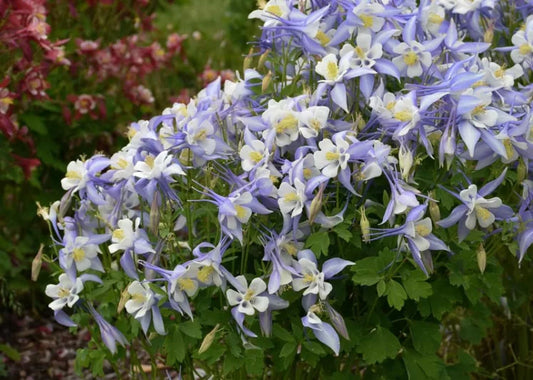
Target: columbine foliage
<point x="366" y="139"/>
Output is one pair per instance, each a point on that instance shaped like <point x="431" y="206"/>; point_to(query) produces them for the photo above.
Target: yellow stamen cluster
<point x="332" y="156"/>
<point x="410" y="58"/>
<point x="482" y="213"/>
<point x="403" y="116"/>
<point x="288" y="122"/>
<point x="118" y="234"/>
<point x="204" y="273"/>
<point x="332" y="70"/>
<point x="186" y="284"/>
<point x="422" y="230"/>
<point x="78" y="254"/>
<point x="322" y="38"/>
<point x="368" y="21"/>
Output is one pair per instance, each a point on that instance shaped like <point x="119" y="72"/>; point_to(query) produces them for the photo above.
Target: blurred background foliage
<point x="44" y="127"/>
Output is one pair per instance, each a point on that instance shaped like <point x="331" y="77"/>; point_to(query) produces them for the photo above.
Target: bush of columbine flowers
<point x="74" y="74"/>
<point x="353" y="205"/>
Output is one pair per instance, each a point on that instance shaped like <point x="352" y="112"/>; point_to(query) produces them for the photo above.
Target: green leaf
<point x="371" y="270"/>
<point x="379" y="345"/>
<point x="343" y="232"/>
<point x="421" y="367"/>
<point x="314" y="347"/>
<point x="318" y="242"/>
<point x="288" y="349"/>
<point x="34" y="123"/>
<point x="254" y="362"/>
<point x="416" y="285"/>
<point x="192" y="329"/>
<point x="464" y="368"/>
<point x="442" y="300"/>
<point x="426" y="337"/>
<point x="381" y="288"/>
<point x="281" y="333"/>
<point x="10" y="352"/>
<point x="174" y="345"/>
<point x="231" y="364"/>
<point x="396" y="295"/>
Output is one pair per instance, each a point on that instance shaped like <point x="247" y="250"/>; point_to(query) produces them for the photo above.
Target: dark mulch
<point x="42" y="349"/>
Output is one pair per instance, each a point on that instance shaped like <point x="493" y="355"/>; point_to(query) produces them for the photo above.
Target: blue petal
<point x="333" y="266"/>
<point x="338" y="95"/>
<point x="456" y="214"/>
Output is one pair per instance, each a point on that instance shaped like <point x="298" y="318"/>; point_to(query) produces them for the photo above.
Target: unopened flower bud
<point x="155" y="214"/>
<point x="521" y="170"/>
<point x="427" y="260"/>
<point x="316" y="204"/>
<point x="337" y="321"/>
<point x="248" y="60"/>
<point x="405" y="157"/>
<point x="488" y="36"/>
<point x="125" y="296"/>
<point x="37" y="263"/>
<point x="481" y="258"/>
<point x="266" y="81"/>
<point x="186" y="157"/>
<point x="262" y="59"/>
<point x="365" y="225"/>
<point x="434" y="210"/>
<point x="209" y="339"/>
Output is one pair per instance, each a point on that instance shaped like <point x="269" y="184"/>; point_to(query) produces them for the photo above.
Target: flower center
<point x="63" y="292"/>
<point x="368" y="21"/>
<point x="307" y="173"/>
<point x="150" y="161"/>
<point x="256" y="157"/>
<point x="422" y="230"/>
<point x="241" y="212"/>
<point x="322" y="38"/>
<point x="403" y="116"/>
<point x="524" y="49"/>
<point x="360" y="52"/>
<point x="78" y="254"/>
<point x="332" y="156"/>
<point x="482" y="213"/>
<point x="249" y="295"/>
<point x="332" y="71"/>
<point x="274" y="9"/>
<point x="138" y="298"/>
<point x="71" y="174"/>
<point x="292" y="197"/>
<point x="308" y="278"/>
<point x="118" y="234"/>
<point x="410" y="58"/>
<point x="186" y="283"/>
<point x="200" y="136"/>
<point x="204" y="273"/>
<point x="435" y="18"/>
<point x="287" y="122"/>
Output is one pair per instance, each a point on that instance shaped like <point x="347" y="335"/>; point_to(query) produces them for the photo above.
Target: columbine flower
<point x="65" y="293"/>
<point x="311" y="279"/>
<point x="272" y="10"/>
<point x="312" y="120"/>
<point x="412" y="58"/>
<point x="292" y="199"/>
<point x="523" y="42"/>
<point x="417" y="231"/>
<point x="249" y="300"/>
<point x="252" y="154"/>
<point x="132" y="241"/>
<point x="332" y="156"/>
<point x="143" y="305"/>
<point x="323" y="331"/>
<point x="110" y="334"/>
<point x="476" y="209"/>
<point x="82" y="252"/>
